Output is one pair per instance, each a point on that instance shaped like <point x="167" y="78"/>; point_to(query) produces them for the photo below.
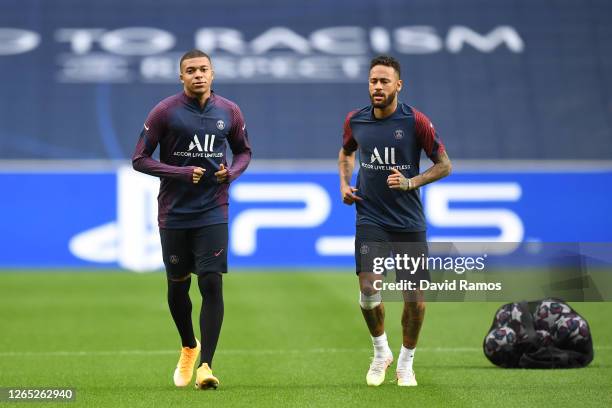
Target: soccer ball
<point x="543" y="338"/>
<point x="547" y="314"/>
<point x="571" y="328"/>
<point x="503" y="315"/>
<point x="510" y="316"/>
<point x="498" y="338"/>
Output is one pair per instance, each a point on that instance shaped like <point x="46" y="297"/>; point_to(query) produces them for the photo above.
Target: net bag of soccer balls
<point x="542" y="334"/>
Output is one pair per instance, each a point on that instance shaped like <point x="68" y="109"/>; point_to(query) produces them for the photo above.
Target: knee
<point x="366" y="285"/>
<point x="178" y="288"/>
<point x="369" y="302"/>
<point x="210" y="283"/>
<point x="181" y="279"/>
<point x="368" y="290"/>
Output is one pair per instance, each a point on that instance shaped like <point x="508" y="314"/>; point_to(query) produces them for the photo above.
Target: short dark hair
<point x="387" y="61"/>
<point x="194" y="53"/>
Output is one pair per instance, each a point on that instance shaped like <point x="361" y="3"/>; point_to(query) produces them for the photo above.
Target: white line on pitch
<point x="234" y="351"/>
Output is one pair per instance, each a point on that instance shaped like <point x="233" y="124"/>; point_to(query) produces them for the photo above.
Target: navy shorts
<point x="194" y="250"/>
<point x="374" y="241"/>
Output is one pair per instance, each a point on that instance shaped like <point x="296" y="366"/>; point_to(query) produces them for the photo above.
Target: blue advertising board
<point x="283" y="219"/>
<point x="517" y="79"/>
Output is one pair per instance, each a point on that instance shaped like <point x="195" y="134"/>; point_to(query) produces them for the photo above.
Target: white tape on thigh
<point x="369" y="302"/>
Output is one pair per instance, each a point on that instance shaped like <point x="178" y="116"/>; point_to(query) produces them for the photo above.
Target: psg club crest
<point x="398" y="134"/>
<point x="220" y="125"/>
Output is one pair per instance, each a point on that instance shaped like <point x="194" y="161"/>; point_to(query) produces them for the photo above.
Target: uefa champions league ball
<point x="498" y="338"/>
<point x="570" y="328"/>
<point x="510" y="316"/>
<point x="547" y="313"/>
<point x="543" y="338"/>
<point x="503" y="315"/>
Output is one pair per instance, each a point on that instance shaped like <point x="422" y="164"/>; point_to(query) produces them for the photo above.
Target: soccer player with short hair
<point x="193" y="129"/>
<point x="390" y="136"/>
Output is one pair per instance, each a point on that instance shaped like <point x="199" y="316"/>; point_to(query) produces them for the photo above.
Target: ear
<point x="400" y="83"/>
<point x="181" y="78"/>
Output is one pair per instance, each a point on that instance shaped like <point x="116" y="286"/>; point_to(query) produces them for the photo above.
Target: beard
<point x="385" y="102"/>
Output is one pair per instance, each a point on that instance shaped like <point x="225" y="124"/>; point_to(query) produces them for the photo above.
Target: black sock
<point x="180" y="308"/>
<point x="211" y="314"/>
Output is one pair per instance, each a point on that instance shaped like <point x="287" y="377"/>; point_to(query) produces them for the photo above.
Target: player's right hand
<point x="348" y="195"/>
<point x="197" y="174"/>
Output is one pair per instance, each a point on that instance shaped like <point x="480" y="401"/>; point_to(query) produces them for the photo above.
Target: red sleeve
<point x="426" y="135"/>
<point x="349" y="143"/>
<point x="152" y="132"/>
<point x="238" y="141"/>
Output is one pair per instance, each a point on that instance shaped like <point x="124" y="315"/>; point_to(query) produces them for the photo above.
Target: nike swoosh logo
<point x="243" y="126"/>
<point x="219" y="253"/>
<point x="146" y="128"/>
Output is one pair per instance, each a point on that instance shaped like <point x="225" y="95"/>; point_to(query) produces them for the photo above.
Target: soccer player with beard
<point x="390" y="136"/>
<point x="193" y="129"/>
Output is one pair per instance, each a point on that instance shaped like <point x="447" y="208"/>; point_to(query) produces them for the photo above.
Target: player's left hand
<point x="222" y="175"/>
<point x="397" y="181"/>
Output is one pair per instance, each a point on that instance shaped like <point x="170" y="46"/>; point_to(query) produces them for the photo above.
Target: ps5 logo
<point x="389" y="153"/>
<point x="291" y="207"/>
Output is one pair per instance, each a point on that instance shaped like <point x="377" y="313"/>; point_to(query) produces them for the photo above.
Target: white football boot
<point x="378" y="368"/>
<point x="405" y="377"/>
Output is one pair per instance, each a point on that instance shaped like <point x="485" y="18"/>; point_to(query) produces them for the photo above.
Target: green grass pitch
<point x="288" y="339"/>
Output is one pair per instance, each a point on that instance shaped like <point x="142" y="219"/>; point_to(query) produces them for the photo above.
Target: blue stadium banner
<point x="517" y="79"/>
<point x="279" y="219"/>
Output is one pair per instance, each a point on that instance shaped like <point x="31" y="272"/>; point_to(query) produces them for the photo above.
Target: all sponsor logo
<point x="389" y="158"/>
<point x="195" y="148"/>
<point x="195" y="143"/>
